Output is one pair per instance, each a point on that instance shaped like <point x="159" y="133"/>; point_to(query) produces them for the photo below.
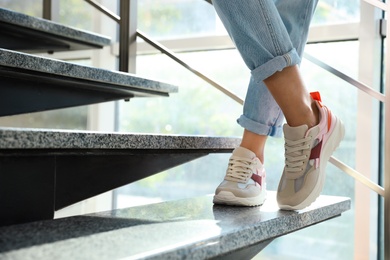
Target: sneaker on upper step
<point x="244" y="182"/>
<point x="307" y="152"/>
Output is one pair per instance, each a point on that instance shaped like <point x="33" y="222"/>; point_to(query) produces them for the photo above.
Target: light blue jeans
<point x="270" y="36"/>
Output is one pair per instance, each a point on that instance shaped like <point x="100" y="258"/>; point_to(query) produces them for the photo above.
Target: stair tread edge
<point x="22" y="138"/>
<point x="17" y="61"/>
<point x="194" y="228"/>
<point x="51" y="27"/>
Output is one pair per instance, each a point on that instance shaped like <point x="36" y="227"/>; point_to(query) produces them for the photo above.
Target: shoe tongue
<point x="294" y="133"/>
<point x="243" y="152"/>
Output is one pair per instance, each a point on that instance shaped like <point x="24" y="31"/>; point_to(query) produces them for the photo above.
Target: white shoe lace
<point x="240" y="169"/>
<point x="296" y="152"/>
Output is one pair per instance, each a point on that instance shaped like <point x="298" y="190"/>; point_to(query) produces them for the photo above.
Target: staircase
<point x="42" y="171"/>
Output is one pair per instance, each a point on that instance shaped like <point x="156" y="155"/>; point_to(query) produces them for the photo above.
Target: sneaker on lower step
<point x="307" y="152"/>
<point x="244" y="183"/>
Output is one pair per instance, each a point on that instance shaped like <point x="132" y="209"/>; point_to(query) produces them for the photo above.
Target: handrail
<point x="173" y="56"/>
<point x="358" y="176"/>
<point x="373" y="93"/>
<point x="104" y="10"/>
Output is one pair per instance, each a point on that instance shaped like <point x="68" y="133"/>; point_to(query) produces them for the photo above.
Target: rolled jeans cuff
<point x="276" y="64"/>
<point x="258" y="128"/>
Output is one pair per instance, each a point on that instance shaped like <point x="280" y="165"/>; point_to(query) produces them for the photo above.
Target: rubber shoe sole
<point x="228" y="198"/>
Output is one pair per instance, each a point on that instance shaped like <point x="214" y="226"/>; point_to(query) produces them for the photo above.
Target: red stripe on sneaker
<point x="316" y="151"/>
<point x="257" y="179"/>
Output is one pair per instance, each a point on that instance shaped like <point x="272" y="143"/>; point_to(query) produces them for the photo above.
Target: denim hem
<point x="276" y="64"/>
<point x="258" y="128"/>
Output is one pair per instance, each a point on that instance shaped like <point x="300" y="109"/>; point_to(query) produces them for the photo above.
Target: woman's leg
<point x="288" y="29"/>
<point x="265" y="33"/>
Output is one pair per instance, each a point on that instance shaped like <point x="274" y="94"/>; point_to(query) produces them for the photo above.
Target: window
<point x="198" y="108"/>
<point x="32" y="7"/>
<point x="176" y="19"/>
<point x="335" y="11"/>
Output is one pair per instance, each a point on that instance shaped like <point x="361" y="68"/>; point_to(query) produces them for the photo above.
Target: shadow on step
<point x="46" y="232"/>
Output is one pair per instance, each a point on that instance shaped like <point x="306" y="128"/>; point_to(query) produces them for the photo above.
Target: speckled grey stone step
<point x="31" y="83"/>
<point x="184" y="229"/>
<point x="23" y="140"/>
<point x="30" y="34"/>
<point x="43" y="171"/>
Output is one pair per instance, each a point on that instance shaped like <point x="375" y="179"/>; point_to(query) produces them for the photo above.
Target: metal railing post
<point x="127" y="35"/>
<point x="387" y="145"/>
<point x="46" y="12"/>
<point x="51" y="10"/>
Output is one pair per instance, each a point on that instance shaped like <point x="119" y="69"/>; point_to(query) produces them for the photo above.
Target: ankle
<point x="308" y="115"/>
<point x="254" y="143"/>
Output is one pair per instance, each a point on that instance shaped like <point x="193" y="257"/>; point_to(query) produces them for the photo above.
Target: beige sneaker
<point x="244" y="183"/>
<point x="307" y="151"/>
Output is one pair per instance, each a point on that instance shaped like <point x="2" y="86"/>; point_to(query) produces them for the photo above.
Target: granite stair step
<point x="26" y="33"/>
<point x="31" y="83"/>
<point x="46" y="170"/>
<point x="184" y="229"/>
